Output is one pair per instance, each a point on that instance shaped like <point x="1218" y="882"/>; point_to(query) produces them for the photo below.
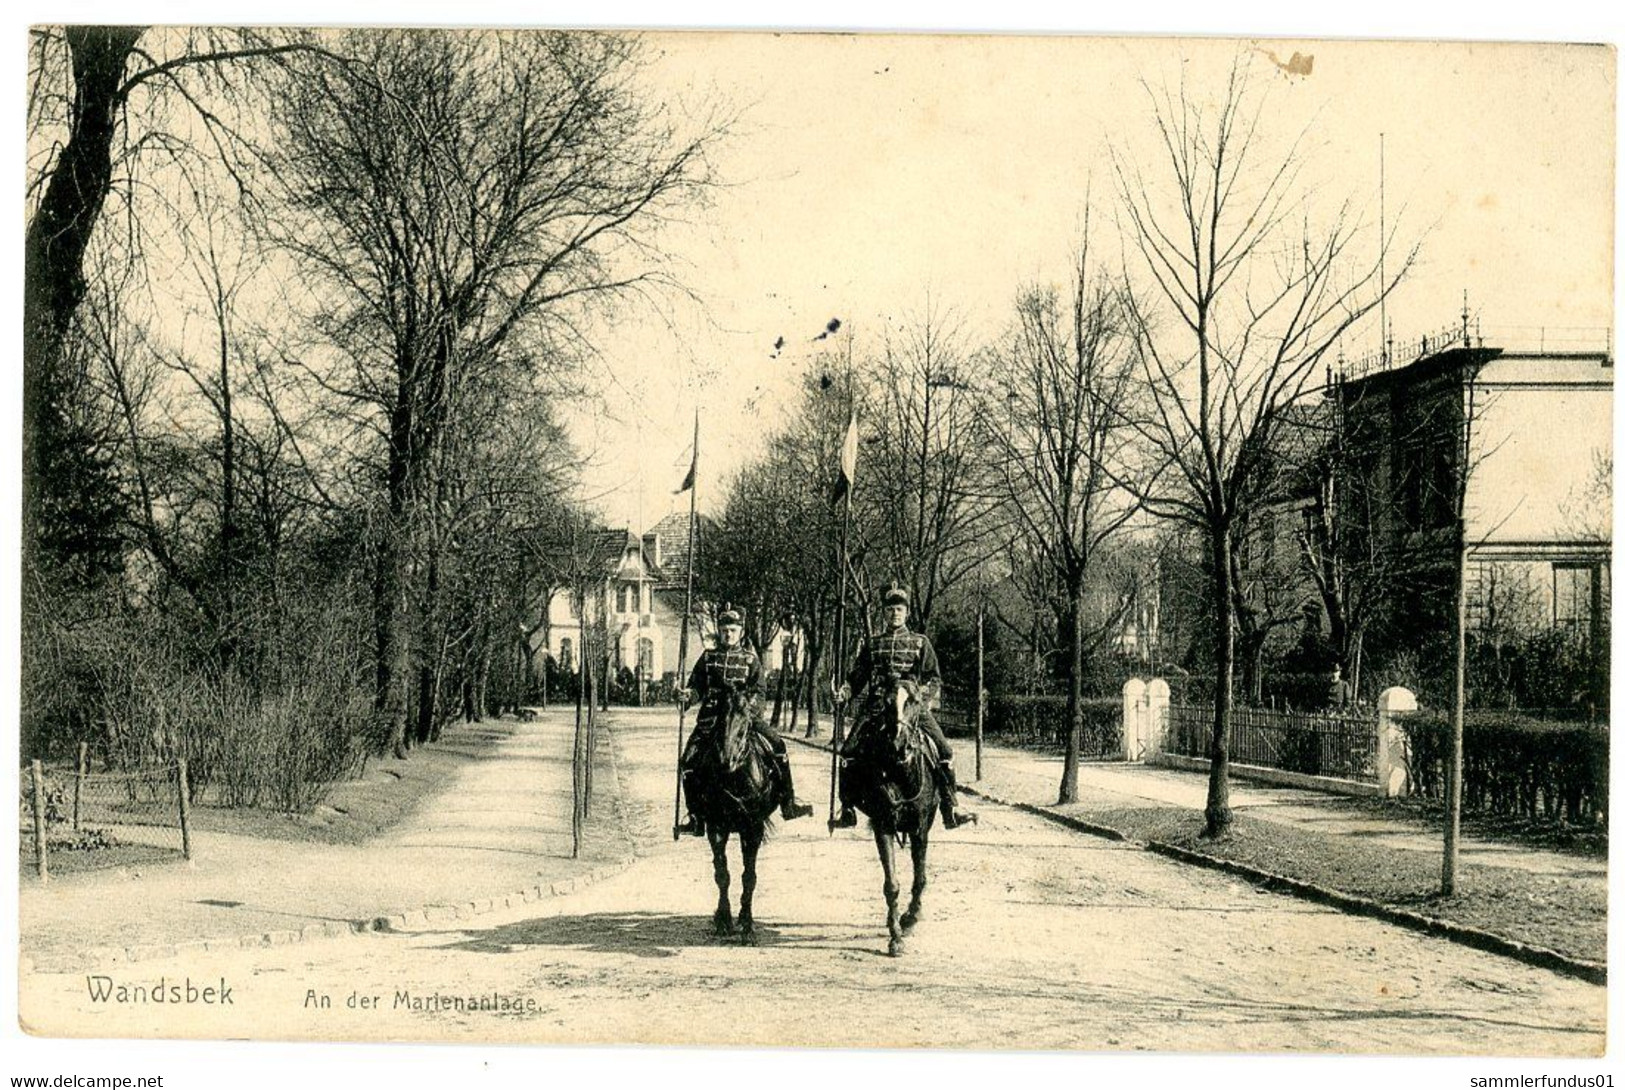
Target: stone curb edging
<point x="338" y="928"/>
<point x="1542" y="957"/>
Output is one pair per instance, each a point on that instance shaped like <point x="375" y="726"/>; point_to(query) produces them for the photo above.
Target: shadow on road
<point x="643" y="934"/>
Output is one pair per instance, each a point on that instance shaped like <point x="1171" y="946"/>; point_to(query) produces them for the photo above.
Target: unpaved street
<point x="1034" y="937"/>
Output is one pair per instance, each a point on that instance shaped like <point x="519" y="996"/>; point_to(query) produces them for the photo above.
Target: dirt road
<point x="1034" y="937"/>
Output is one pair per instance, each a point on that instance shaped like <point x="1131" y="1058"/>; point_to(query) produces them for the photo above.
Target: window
<point x="1574" y="598"/>
<point x="646" y="657"/>
<point x="566" y="653"/>
<point x="1426" y="437"/>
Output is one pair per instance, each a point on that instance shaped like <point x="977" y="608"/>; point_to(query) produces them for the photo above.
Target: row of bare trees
<point x="1179" y="383"/>
<point x="301" y="311"/>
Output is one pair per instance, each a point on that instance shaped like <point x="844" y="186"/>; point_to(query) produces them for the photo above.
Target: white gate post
<point x="1393" y="755"/>
<point x="1156" y="699"/>
<point x="1134" y="741"/>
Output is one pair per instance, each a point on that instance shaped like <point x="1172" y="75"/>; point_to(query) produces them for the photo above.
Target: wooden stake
<point x="38" y="774"/>
<point x="181" y="788"/>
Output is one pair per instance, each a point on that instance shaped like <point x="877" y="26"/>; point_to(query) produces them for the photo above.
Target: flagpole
<point x="839" y="733"/>
<point x="682" y="641"/>
<point x="848" y="478"/>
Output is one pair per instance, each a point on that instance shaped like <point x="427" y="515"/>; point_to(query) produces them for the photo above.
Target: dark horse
<point x="733" y="787"/>
<point x="889" y="764"/>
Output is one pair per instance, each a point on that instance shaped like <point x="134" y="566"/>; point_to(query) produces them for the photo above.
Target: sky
<point x="871" y="177"/>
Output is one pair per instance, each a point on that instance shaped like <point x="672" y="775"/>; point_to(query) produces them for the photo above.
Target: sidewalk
<point x="500" y="827"/>
<point x="1544" y="907"/>
<point x="1020" y="776"/>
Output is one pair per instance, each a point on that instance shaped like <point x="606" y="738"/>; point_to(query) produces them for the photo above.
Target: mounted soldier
<point x="898" y="654"/>
<point x="731" y="670"/>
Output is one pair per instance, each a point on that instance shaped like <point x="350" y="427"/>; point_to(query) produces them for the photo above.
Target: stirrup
<point x="790" y="809"/>
<point x="953" y="819"/>
<point x="847" y="819"/>
<point x="693" y="826"/>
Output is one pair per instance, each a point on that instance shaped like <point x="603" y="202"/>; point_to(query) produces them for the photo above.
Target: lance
<point x="682" y="640"/>
<point x="849" y="461"/>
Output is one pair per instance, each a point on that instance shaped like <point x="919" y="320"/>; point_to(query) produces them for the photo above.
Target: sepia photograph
<point x="895" y="539"/>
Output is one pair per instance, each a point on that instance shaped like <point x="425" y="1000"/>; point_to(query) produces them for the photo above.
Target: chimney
<point x="651" y="545"/>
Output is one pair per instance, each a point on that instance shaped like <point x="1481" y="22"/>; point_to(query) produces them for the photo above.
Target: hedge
<point x="1040" y="722"/>
<point x="1514" y="765"/>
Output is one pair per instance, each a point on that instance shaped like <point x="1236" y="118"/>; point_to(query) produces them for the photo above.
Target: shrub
<point x="1041" y="722"/>
<point x="1514" y="765"/>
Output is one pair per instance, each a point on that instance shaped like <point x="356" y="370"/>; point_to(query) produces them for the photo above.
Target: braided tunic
<point x="899" y="653"/>
<point x="721" y="671"/>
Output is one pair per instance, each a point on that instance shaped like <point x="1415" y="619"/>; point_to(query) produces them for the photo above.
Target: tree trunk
<point x="58" y="235"/>
<point x="1074" y="693"/>
<point x="1217" y="814"/>
<point x="784" y="679"/>
<point x="813" y="662"/>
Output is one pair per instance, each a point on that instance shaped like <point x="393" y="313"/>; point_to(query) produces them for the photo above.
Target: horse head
<point x="733" y="733"/>
<point x="903" y="705"/>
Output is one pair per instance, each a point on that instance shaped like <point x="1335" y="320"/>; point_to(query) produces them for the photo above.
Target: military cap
<point x="729" y="615"/>
<point x="894" y="595"/>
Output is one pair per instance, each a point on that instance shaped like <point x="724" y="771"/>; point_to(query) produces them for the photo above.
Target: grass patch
<point x="1562" y="913"/>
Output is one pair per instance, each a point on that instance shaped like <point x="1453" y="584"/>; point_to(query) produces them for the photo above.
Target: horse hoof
<point x="909" y="920"/>
<point x="722" y="926"/>
<point x="747" y="937"/>
<point x="894" y="948"/>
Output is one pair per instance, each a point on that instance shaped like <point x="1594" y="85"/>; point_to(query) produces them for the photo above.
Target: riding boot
<point x="848" y="817"/>
<point x="949" y="792"/>
<point x="790" y="807"/>
<point x="693" y="826"/>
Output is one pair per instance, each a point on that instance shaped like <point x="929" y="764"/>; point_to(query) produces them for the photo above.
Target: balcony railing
<point x="1540" y="339"/>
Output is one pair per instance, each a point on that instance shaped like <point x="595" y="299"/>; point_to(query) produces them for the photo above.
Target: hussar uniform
<point x="719" y="673"/>
<point x="902" y="654"/>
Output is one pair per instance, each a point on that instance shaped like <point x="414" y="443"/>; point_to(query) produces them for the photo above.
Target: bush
<point x="1041" y="722"/>
<point x="1514" y="765"/>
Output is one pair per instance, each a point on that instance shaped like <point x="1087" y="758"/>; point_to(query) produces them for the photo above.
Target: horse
<point x="890" y="765"/>
<point x="733" y="788"/>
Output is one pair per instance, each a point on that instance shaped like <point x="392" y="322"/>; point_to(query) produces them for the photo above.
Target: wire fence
<point x="72" y="820"/>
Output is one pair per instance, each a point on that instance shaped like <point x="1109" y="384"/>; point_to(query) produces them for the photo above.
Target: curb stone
<point x="1542" y="957"/>
<point x="399" y="921"/>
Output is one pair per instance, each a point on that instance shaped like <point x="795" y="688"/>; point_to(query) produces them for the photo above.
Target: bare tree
<point x="468" y="199"/>
<point x="929" y="515"/>
<point x="1248" y="301"/>
<point x="1060" y="445"/>
<point x="102" y="102"/>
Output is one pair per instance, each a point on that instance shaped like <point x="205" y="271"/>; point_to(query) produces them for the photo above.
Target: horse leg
<point x="749" y="844"/>
<point x="722" y="922"/>
<point x="916" y="848"/>
<point x="888" y="866"/>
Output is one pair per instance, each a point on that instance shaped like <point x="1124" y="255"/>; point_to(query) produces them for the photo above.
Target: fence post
<point x="38" y="774"/>
<point x="1133" y="704"/>
<point x="1393" y="757"/>
<point x="79" y="781"/>
<point x="186" y="808"/>
<point x="1156" y="702"/>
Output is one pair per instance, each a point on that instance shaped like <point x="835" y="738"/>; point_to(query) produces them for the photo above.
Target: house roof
<point x="673" y="533"/>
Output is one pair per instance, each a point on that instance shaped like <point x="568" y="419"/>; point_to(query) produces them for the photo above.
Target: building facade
<point x="1508" y="453"/>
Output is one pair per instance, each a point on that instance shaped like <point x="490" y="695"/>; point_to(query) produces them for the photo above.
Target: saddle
<point x="730" y="775"/>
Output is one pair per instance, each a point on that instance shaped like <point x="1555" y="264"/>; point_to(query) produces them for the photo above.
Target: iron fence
<point x="1316" y="744"/>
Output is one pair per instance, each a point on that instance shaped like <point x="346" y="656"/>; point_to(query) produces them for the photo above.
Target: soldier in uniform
<point x="727" y="668"/>
<point x="897" y="652"/>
